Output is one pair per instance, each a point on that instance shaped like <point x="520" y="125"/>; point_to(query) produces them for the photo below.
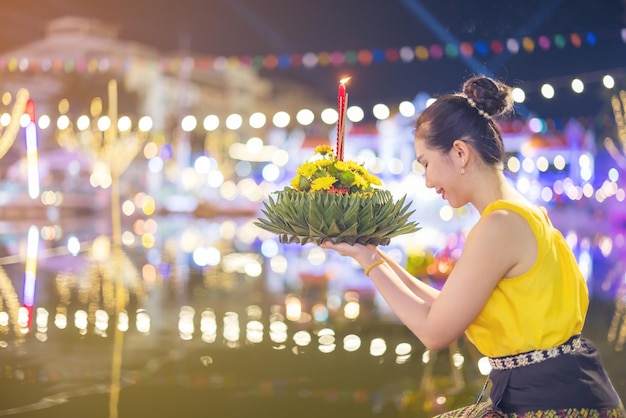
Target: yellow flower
<point x="342" y="166"/>
<point x="357" y="168"/>
<point x="360" y="181"/>
<point x="323" y="162"/>
<point x="372" y="179"/>
<point x="323" y="150"/>
<point x="295" y="182"/>
<point x="323" y="183"/>
<point x="307" y="169"/>
<point x="351" y="175"/>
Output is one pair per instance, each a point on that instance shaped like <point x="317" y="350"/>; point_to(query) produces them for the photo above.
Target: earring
<point x="462" y="170"/>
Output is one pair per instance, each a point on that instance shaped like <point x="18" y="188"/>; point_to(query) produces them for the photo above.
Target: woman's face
<point x="442" y="173"/>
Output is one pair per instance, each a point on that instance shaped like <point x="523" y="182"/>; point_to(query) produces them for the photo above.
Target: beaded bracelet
<point x="371" y="266"/>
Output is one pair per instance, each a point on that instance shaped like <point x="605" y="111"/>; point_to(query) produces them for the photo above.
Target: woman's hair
<point x="468" y="116"/>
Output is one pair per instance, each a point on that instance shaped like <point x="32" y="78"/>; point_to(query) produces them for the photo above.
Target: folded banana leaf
<point x="364" y="218"/>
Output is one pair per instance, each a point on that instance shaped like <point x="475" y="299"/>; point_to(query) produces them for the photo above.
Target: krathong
<point x="336" y="200"/>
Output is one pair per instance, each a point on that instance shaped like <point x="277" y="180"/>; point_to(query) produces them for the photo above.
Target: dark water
<point x="243" y="336"/>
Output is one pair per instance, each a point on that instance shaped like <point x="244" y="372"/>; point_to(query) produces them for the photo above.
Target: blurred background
<point x="140" y="140"/>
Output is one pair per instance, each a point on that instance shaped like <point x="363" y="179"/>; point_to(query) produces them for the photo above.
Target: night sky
<point x="251" y="27"/>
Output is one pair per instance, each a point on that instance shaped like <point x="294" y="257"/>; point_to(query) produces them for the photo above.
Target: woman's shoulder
<point x="503" y="240"/>
<point x="499" y="221"/>
<point x="511" y="218"/>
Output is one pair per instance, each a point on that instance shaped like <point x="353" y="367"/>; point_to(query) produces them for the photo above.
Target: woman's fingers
<point x="342" y="248"/>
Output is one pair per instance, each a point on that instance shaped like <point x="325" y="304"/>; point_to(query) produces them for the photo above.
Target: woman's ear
<point x="460" y="152"/>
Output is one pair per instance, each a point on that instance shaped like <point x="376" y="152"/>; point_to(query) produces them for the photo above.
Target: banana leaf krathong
<point x="370" y="217"/>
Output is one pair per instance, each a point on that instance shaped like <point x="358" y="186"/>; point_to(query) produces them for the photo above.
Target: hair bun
<point x="490" y="96"/>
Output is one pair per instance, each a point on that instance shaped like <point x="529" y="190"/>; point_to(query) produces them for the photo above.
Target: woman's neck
<point x="492" y="186"/>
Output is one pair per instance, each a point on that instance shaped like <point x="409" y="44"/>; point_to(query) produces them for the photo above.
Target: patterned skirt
<point x="570" y="383"/>
<point x="486" y="410"/>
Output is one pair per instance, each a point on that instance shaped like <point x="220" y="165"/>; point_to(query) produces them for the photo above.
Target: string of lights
<point x="305" y="117"/>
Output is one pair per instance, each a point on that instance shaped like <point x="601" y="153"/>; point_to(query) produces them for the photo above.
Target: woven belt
<point x="532" y="357"/>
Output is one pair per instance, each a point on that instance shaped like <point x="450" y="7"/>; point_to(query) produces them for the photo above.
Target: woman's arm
<point x="422" y="290"/>
<point x="486" y="259"/>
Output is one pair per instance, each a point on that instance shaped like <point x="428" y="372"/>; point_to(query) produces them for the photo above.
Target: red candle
<point x="342" y="104"/>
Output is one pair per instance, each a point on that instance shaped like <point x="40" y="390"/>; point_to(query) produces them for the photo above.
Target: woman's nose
<point x="428" y="182"/>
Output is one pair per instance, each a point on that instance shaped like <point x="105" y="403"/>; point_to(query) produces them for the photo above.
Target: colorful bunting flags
<point x="310" y="60"/>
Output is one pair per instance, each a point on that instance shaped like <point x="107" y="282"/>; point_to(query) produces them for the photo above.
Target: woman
<point x="516" y="291"/>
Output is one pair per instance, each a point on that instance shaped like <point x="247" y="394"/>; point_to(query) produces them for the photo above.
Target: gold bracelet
<point x="371" y="266"/>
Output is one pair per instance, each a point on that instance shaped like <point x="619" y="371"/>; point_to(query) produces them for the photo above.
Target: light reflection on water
<point x="201" y="321"/>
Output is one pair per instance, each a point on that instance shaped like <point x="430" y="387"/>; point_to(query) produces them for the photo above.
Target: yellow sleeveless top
<point x="539" y="309"/>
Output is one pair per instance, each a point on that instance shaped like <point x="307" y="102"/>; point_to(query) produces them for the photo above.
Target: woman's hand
<point x="363" y="254"/>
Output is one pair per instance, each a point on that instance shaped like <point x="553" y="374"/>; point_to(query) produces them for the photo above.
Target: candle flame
<point x="344" y="80"/>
